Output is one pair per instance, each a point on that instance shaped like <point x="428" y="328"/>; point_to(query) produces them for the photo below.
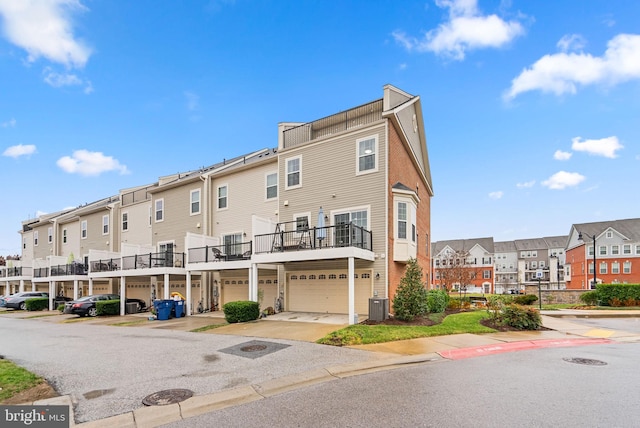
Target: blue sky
<point x="531" y="108"/>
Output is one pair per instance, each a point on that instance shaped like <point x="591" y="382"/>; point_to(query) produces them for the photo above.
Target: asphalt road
<point x="109" y="370"/>
<point x="522" y="389"/>
<point x="630" y="324"/>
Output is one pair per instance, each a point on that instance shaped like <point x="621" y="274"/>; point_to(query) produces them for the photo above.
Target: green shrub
<point x="525" y="299"/>
<point x="60" y="307"/>
<point x="520" y="317"/>
<point x="620" y="292"/>
<point x="437" y="301"/>
<point x="590" y="297"/>
<point x="108" y="307"/>
<point x="37" y="303"/>
<point x="241" y="311"/>
<point x="410" y="300"/>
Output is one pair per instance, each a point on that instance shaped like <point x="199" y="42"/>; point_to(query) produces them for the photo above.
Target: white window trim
<point x="122" y="222"/>
<point x="50" y="235"/>
<point x="376" y="155"/>
<point x="226" y="186"/>
<point x="156" y="210"/>
<point x="64" y="236"/>
<point x="367" y="208"/>
<point x="406" y="221"/>
<point x="286" y="170"/>
<point x="105" y="222"/>
<point x="191" y="212"/>
<point x="83" y="230"/>
<point x="266" y="186"/>
<point x="35" y="238"/>
<point x="297" y="216"/>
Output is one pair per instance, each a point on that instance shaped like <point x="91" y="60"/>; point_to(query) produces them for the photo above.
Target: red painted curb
<point x="500" y="348"/>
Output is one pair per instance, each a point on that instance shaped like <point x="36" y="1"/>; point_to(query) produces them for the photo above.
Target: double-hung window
<point x="367" y="154"/>
<point x="194" y="207"/>
<point x="50" y="235"/>
<point x="159" y="210"/>
<point x="64" y="236"/>
<point x="272" y="185"/>
<point x="83" y="229"/>
<point x="402" y="220"/>
<point x="105" y="224"/>
<point x="125" y="222"/>
<point x="294" y="169"/>
<point x="35" y="238"/>
<point x="223" y="194"/>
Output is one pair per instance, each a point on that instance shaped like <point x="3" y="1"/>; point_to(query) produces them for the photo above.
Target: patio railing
<point x="221" y="253"/>
<point x="153" y="260"/>
<point x="343" y="235"/>
<point x="69" y="269"/>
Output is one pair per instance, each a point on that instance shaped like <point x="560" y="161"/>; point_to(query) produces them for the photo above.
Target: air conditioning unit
<point x="378" y="309"/>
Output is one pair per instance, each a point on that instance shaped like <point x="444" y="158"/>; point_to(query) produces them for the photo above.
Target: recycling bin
<point x="163" y="309"/>
<point x="179" y="308"/>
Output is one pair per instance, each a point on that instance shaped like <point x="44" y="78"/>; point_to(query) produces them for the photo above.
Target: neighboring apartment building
<point x="324" y="222"/>
<point x="616" y="253"/>
<point x="464" y="264"/>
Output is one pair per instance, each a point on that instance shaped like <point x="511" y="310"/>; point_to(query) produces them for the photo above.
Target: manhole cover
<point x="585" y="361"/>
<point x="253" y="348"/>
<point x="168" y="396"/>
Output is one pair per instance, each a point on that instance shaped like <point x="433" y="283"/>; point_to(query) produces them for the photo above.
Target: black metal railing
<point x="69" y="269"/>
<point x="153" y="260"/>
<point x="342" y="235"/>
<point x="105" y="265"/>
<point x="339" y="122"/>
<point x="41" y="272"/>
<point x="14" y="271"/>
<point x="221" y="253"/>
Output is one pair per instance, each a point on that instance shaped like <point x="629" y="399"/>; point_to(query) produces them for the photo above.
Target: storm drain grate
<point x="585" y="361"/>
<point x="168" y="396"/>
<point x="254" y="349"/>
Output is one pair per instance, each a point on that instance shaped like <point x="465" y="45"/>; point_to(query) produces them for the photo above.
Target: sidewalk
<point x="384" y="356"/>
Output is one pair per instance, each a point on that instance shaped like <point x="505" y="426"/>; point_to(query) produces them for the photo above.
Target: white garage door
<point x="234" y="289"/>
<point x="327" y="292"/>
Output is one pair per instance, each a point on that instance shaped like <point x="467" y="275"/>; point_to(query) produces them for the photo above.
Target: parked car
<point x="86" y="306"/>
<point x="2" y="301"/>
<point x="18" y="300"/>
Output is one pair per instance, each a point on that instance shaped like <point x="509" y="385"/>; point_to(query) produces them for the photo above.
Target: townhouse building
<point x="464" y="264"/>
<point x="322" y="223"/>
<point x="603" y="252"/>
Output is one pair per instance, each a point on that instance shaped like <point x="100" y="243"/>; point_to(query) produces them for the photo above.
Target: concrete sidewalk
<point x="311" y="327"/>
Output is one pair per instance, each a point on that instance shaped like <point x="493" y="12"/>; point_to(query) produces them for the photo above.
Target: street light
<point x="594" y="254"/>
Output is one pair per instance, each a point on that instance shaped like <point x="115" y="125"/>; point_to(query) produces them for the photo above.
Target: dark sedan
<point x="18" y="300"/>
<point x="86" y="306"/>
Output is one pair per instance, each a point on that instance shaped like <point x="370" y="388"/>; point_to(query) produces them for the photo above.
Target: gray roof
<point x="505" y="247"/>
<point x="463" y="245"/>
<point x="629" y="228"/>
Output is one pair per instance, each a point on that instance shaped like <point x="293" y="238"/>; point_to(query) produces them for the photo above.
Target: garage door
<point x="327" y="292"/>
<point x="234" y="289"/>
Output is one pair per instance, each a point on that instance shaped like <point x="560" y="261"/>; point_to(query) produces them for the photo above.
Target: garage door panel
<point x="330" y="294"/>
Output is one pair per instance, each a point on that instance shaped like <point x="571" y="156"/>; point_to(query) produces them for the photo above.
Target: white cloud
<point x="562" y="179"/>
<point x="526" y="185"/>
<point x="571" y="42"/>
<point x="606" y="147"/>
<point x="563" y="72"/>
<point x="466" y="29"/>
<point x="560" y="155"/>
<point x="88" y="163"/>
<point x="19" y="150"/>
<point x="44" y="29"/>
<point x="496" y="195"/>
<point x="8" y="124"/>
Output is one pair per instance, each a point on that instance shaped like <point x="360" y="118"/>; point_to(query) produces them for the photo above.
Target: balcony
<point x="316" y="238"/>
<point x="69" y="269"/>
<point x="105" y="265"/>
<point x="153" y="260"/>
<point x="221" y="253"/>
<point x="339" y="122"/>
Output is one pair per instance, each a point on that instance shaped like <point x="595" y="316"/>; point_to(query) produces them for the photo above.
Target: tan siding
<point x="177" y="219"/>
<point x="73" y="238"/>
<point x="95" y="239"/>
<point x="41" y="250"/>
<point x="139" y="232"/>
<point x="246" y="197"/>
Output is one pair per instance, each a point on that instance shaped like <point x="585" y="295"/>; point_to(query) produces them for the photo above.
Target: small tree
<point x="410" y="300"/>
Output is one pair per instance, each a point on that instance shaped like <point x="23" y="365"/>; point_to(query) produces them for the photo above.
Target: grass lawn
<point x="14" y="379"/>
<point x="466" y="322"/>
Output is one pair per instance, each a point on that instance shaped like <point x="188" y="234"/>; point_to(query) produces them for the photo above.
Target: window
<point x="609" y="234"/>
<point x="534" y="265"/>
<point x="159" y="210"/>
<point x="615" y="268"/>
<point x="293" y="172"/>
<point x="195" y="202"/>
<point x="222" y="197"/>
<point x="603" y="267"/>
<point x="402" y="220"/>
<point x="626" y="249"/>
<point x="626" y="267"/>
<point x="64" y="236"/>
<point x="541" y="264"/>
<point x="232" y="244"/>
<point x="125" y="222"/>
<point x="486" y="274"/>
<point x="590" y="268"/>
<point x="83" y="229"/>
<point x="35" y="237"/>
<point x="602" y="250"/>
<point x="638" y="250"/>
<point x="615" y="250"/>
<point x="590" y="250"/>
<point x="50" y="235"/>
<point x="24" y="243"/>
<point x="302" y="223"/>
<point x="272" y="185"/>
<point x="105" y="224"/>
<point x="367" y="154"/>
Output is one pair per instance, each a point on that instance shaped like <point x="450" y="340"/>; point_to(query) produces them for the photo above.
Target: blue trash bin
<point x="179" y="308"/>
<point x="163" y="309"/>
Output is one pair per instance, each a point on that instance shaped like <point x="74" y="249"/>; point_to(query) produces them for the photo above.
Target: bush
<point x="520" y="317"/>
<point x="590" y="298"/>
<point x="620" y="292"/>
<point x="410" y="300"/>
<point x="108" y="307"/>
<point x="60" y="307"/>
<point x="525" y="299"/>
<point x="37" y="303"/>
<point x="241" y="311"/>
<point x="437" y="301"/>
